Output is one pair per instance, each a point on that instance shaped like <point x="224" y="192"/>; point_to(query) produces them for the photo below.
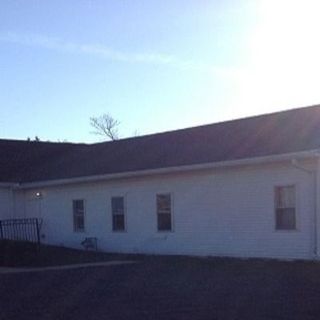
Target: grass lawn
<point x="166" y="288"/>
<point x="23" y="254"/>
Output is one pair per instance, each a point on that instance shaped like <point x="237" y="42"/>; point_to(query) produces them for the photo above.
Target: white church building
<point x="240" y="188"/>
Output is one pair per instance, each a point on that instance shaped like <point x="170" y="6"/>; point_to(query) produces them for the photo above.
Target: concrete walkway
<point x="6" y="270"/>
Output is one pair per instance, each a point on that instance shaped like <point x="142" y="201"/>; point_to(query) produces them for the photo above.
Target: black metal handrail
<point x="26" y="229"/>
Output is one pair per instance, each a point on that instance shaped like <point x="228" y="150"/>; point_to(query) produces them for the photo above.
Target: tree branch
<point x="105" y="125"/>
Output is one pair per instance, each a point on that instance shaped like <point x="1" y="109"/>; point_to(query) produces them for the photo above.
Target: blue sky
<point x="153" y="65"/>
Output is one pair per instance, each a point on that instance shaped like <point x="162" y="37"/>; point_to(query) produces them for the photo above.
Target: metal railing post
<point x="1" y="231"/>
<point x="38" y="232"/>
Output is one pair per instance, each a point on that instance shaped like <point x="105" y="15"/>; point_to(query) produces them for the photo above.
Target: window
<point x="285" y="207"/>
<point x="78" y="215"/>
<point x="117" y="206"/>
<point x="164" y="212"/>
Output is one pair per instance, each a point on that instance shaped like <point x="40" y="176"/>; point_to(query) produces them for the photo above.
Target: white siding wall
<point x="6" y="203"/>
<point x="222" y="212"/>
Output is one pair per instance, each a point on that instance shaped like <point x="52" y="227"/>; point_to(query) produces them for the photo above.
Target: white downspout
<point x="315" y="218"/>
<point x="314" y="174"/>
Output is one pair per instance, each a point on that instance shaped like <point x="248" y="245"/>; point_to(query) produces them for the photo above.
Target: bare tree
<point x="36" y="139"/>
<point x="136" y="133"/>
<point x="105" y="125"/>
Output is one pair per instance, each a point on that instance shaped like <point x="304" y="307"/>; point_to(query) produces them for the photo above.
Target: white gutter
<point x="8" y="184"/>
<point x="176" y="169"/>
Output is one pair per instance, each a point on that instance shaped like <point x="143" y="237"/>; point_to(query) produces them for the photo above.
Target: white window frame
<point x="171" y="212"/>
<point x="75" y="228"/>
<point x="124" y="214"/>
<point x="275" y="190"/>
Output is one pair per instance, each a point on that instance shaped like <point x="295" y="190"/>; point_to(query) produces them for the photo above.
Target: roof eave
<point x="9" y="184"/>
<point x="167" y="170"/>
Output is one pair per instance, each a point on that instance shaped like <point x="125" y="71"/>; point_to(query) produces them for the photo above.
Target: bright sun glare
<point x="284" y="53"/>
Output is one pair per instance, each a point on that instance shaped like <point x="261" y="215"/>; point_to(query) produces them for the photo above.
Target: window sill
<point x="286" y="230"/>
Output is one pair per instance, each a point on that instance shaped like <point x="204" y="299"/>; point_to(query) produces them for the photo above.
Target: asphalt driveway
<point x="166" y="288"/>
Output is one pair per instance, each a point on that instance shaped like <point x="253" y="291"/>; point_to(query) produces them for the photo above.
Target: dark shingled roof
<point x="271" y="134"/>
